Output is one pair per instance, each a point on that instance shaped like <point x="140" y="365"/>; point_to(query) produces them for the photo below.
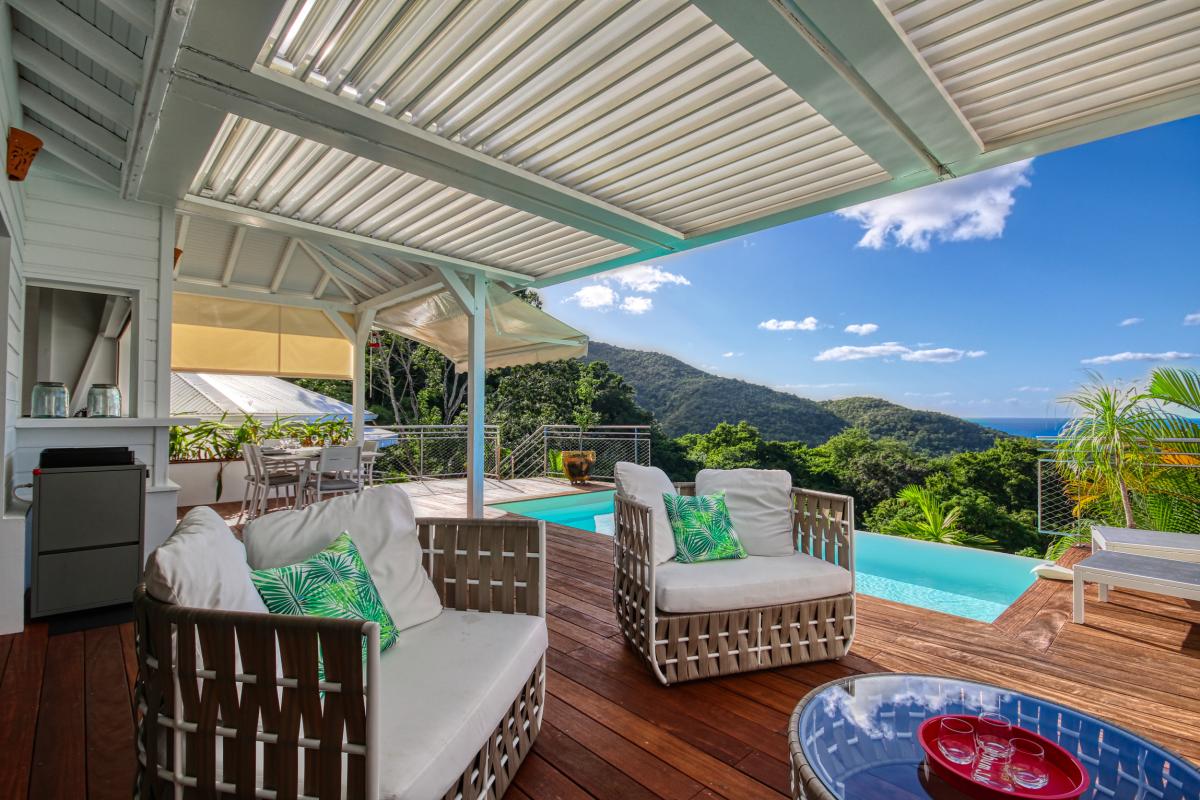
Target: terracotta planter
<point x="578" y="465"/>
<point x="22" y="147"/>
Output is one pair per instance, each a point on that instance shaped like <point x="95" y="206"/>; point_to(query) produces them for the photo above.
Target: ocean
<point x="1023" y="426"/>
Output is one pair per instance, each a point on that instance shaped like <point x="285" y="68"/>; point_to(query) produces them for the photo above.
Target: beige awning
<point x="517" y="333"/>
<point x="212" y="334"/>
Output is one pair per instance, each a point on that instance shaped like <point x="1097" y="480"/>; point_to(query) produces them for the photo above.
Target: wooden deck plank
<point x="20" y="696"/>
<point x="59" y="752"/>
<point x="110" y="743"/>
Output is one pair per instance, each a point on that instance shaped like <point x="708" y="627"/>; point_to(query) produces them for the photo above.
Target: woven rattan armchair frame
<point x="684" y="647"/>
<point x="247" y="683"/>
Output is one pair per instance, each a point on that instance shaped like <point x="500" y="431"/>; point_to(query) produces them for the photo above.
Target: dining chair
<point x="339" y="471"/>
<point x="370" y="451"/>
<point x="262" y="479"/>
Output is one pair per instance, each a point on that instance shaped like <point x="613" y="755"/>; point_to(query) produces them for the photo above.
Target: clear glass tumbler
<point x="1028" y="766"/>
<point x="956" y="740"/>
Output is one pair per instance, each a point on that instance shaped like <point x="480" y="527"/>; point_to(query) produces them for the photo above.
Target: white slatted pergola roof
<point x="540" y="140"/>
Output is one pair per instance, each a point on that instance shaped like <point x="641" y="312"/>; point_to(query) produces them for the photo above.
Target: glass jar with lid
<point x="50" y="400"/>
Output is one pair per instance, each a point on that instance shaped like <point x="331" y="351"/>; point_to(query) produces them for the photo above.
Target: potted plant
<point x="577" y="464"/>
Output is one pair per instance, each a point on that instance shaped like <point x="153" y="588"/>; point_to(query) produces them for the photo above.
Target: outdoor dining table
<point x="305" y="458"/>
<point x="855" y="739"/>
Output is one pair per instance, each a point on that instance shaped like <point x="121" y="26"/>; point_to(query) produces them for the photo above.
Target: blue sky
<point x="987" y="296"/>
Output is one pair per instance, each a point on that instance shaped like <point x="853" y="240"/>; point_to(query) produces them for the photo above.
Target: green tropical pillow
<point x="702" y="528"/>
<point x="333" y="583"/>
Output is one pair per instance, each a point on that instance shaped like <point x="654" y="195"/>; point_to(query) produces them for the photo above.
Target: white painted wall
<point x="12" y="289"/>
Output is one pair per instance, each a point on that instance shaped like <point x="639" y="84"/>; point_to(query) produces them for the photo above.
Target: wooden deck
<point x="66" y="724"/>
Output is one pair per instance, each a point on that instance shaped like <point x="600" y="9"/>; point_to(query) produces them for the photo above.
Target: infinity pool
<point x="963" y="581"/>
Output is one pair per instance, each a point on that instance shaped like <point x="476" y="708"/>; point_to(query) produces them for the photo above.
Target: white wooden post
<point x="476" y="375"/>
<point x="362" y="333"/>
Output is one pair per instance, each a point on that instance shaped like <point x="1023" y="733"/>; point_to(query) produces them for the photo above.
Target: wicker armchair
<point x="683" y="647"/>
<point x="251" y="686"/>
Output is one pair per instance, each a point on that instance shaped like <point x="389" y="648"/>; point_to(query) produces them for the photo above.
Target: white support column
<point x="362" y="332"/>
<point x="476" y="376"/>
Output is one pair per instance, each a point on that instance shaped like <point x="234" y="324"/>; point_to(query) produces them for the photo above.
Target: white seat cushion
<point x="747" y="583"/>
<point x="382" y="525"/>
<point x="202" y="565"/>
<point x="647" y="485"/>
<point x="446" y="685"/>
<point x="760" y="506"/>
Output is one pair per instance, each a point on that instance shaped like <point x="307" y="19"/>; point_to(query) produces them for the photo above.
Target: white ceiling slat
<point x="138" y="13"/>
<point x="75" y="155"/>
<point x="85" y="38"/>
<point x="181" y="235"/>
<point x="70" y="120"/>
<point x="50" y="67"/>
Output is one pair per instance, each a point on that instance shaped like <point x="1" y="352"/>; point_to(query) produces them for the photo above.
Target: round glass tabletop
<point x="855" y="739"/>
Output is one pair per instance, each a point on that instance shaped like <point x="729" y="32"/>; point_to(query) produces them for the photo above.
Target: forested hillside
<point x="685" y="400"/>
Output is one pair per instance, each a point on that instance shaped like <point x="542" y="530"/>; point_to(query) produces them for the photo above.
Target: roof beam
<point x="285" y="260"/>
<point x="75" y="155"/>
<point x="235" y="250"/>
<point x="171" y="148"/>
<point x="322" y="285"/>
<point x="138" y="13"/>
<point x="186" y="285"/>
<point x="261" y="95"/>
<point x="339" y="322"/>
<point x="348" y="264"/>
<point x="786" y="43"/>
<point x="431" y="285"/>
<point x="84" y="37"/>
<point x="203" y="206"/>
<point x="53" y="69"/>
<point x="336" y="273"/>
<point x="70" y="120"/>
<point x="865" y="37"/>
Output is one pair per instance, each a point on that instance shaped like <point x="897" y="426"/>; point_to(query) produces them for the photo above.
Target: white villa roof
<point x="211" y="396"/>
<point x="391" y="144"/>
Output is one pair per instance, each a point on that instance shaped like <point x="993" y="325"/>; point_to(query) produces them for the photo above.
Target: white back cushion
<point x="380" y="520"/>
<point x="647" y="485"/>
<point x="202" y="565"/>
<point x="760" y="503"/>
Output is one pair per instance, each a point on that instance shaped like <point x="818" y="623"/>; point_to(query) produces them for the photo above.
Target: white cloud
<point x="928" y="394"/>
<point x="862" y="328"/>
<point x="647" y="278"/>
<point x="597" y="296"/>
<point x="854" y="353"/>
<point x="732" y="354"/>
<point x="1129" y="321"/>
<point x="1032" y="389"/>
<point x="1120" y="358"/>
<point x="1192" y="319"/>
<point x="636" y="305"/>
<point x="793" y="386"/>
<point x="937" y="355"/>
<point x="972" y="207"/>
<point x="806" y="324"/>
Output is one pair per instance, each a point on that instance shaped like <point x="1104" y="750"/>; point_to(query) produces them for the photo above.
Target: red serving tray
<point x="1068" y="778"/>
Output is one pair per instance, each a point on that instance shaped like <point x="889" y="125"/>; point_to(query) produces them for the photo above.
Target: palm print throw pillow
<point x="333" y="583"/>
<point x="702" y="528"/>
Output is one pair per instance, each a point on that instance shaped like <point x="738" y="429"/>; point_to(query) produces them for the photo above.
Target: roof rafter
<point x="311" y="113"/>
<point x="70" y="120"/>
<point x="409" y="291"/>
<point x="336" y="273"/>
<point x="204" y="206"/>
<point x="138" y="13"/>
<point x="199" y="286"/>
<point x="349" y="265"/>
<point x="53" y="69"/>
<point x="75" y="155"/>
<point x="85" y="38"/>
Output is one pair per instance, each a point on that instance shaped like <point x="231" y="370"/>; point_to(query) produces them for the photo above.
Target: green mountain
<point x="685" y="399"/>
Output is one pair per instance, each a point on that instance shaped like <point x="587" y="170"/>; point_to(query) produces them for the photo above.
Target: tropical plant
<point x="1104" y="448"/>
<point x="937" y="522"/>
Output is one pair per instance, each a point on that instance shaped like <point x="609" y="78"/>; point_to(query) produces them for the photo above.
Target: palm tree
<point x="939" y="522"/>
<point x="1173" y="496"/>
<point x="1103" y="448"/>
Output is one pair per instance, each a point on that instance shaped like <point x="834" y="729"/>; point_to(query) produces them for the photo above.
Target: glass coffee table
<point x="856" y="739"/>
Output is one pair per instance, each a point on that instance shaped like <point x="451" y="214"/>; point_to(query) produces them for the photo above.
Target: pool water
<point x="977" y="584"/>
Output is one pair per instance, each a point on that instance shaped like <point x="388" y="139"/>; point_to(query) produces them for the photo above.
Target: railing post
<point x="421" y="453"/>
<point x="545" y="452"/>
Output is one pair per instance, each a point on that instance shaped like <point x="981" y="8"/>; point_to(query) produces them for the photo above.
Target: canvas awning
<point x="516" y="332"/>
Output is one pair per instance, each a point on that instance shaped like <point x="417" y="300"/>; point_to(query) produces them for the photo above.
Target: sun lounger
<point x="1159" y="544"/>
